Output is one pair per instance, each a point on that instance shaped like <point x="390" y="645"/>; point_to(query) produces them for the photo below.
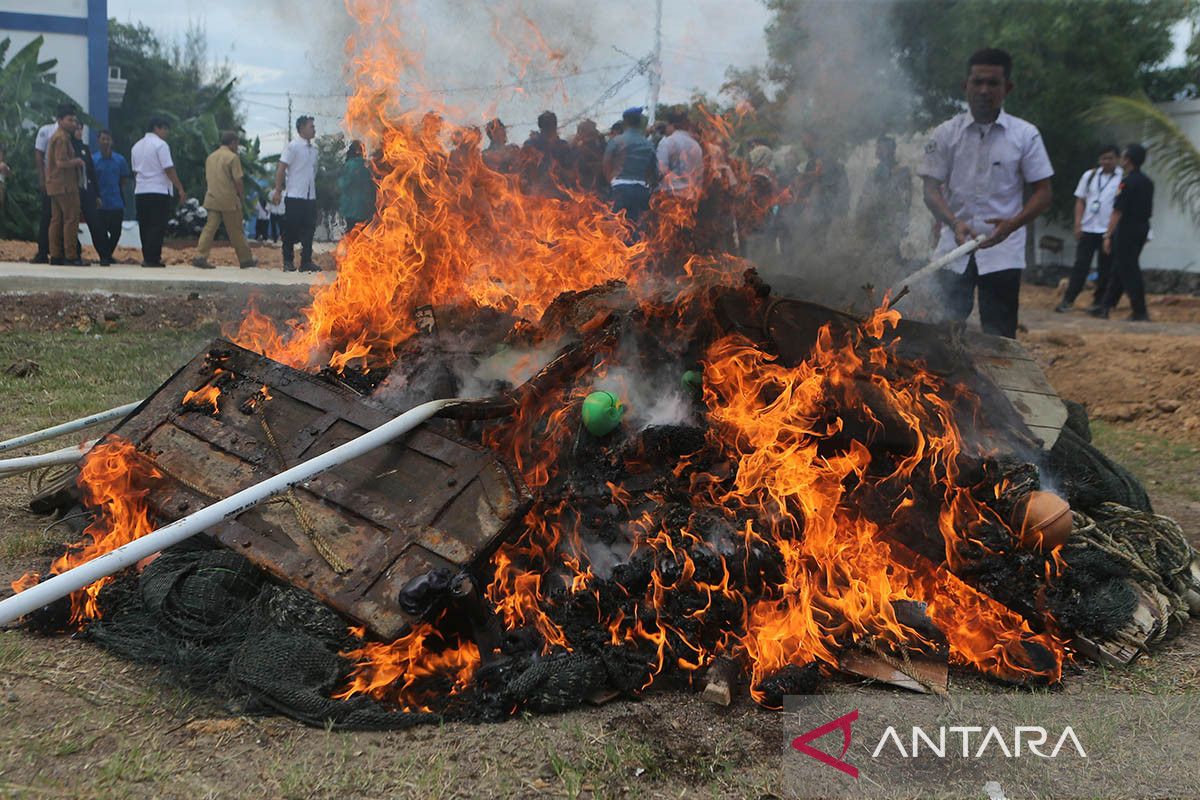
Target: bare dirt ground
<point x="180" y="252"/>
<point x="108" y="312"/>
<point x="1145" y="375"/>
<point x="75" y="722"/>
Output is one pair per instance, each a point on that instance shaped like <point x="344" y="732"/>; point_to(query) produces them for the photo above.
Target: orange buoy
<point x="1042" y="521"/>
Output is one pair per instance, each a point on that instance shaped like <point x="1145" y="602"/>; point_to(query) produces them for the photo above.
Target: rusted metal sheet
<point x="353" y="536"/>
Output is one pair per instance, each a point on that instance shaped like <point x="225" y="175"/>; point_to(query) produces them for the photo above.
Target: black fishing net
<point x="216" y="623"/>
<point x="1087" y="477"/>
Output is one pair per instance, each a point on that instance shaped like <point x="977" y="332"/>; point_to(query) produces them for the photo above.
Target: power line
<point x="452" y="89"/>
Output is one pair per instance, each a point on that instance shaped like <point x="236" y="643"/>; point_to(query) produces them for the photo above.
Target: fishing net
<point x="1086" y="477"/>
<point x="216" y="623"/>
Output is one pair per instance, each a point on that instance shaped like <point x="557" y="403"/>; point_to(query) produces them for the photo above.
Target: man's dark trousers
<point x="1127" y="269"/>
<point x="1089" y="245"/>
<point x="999" y="297"/>
<point x="89" y="211"/>
<point x="153" y="212"/>
<point x="299" y="225"/>
<point x="632" y="198"/>
<point x="43" y="240"/>
<point x="110" y="224"/>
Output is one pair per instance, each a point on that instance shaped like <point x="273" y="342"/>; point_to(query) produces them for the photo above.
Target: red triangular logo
<point x="800" y="743"/>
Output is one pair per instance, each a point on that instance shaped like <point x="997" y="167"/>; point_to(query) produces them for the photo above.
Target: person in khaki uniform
<point x="63" y="167"/>
<point x="223" y="174"/>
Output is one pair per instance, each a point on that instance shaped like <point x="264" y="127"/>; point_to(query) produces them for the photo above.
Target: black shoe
<point x="289" y="267"/>
<point x="106" y="262"/>
<point x="1094" y="307"/>
<point x="40" y="259"/>
<point x="1062" y="307"/>
<point x="1100" y="312"/>
<point x="77" y="262"/>
<point x="155" y="264"/>
<point x="55" y="262"/>
<point x="1139" y="317"/>
<point x="309" y="268"/>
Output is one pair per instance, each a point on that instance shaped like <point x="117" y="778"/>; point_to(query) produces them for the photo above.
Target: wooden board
<point x="428" y="501"/>
<point x="1020" y="377"/>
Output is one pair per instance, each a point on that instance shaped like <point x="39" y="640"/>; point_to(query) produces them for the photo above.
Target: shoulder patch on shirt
<point x="931" y="146"/>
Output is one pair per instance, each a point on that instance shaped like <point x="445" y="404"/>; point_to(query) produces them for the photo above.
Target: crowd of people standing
<point x="684" y="165"/>
<point x="77" y="186"/>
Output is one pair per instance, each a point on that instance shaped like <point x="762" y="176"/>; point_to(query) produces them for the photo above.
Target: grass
<point x="1154" y="460"/>
<point x="86" y="372"/>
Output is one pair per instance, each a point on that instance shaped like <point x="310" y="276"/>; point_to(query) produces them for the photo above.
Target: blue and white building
<point x="76" y="35"/>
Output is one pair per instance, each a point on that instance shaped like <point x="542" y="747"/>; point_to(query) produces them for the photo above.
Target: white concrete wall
<point x="58" y="8"/>
<point x="1176" y="237"/>
<point x="71" y="72"/>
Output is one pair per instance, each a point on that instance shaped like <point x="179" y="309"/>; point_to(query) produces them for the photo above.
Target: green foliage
<point x="27" y="101"/>
<point x="1172" y="153"/>
<point x="176" y="82"/>
<point x="860" y="69"/>
<point x="331" y="154"/>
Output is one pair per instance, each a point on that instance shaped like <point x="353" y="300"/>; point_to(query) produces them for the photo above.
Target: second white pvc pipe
<point x="59" y="586"/>
<point x="68" y="427"/>
<point x="67" y="455"/>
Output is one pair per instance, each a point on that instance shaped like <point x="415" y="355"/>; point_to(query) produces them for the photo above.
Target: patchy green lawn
<point x="81" y="373"/>
<point x="1163" y="465"/>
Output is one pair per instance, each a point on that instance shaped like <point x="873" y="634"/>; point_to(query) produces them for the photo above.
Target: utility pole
<point x="289" y="127"/>
<point x="655" y="66"/>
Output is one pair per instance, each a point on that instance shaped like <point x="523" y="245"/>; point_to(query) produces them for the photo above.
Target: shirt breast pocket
<point x="1006" y="176"/>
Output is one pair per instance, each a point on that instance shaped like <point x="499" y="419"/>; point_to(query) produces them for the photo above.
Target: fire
<point x="411" y="671"/>
<point x="205" y="398"/>
<point x="799" y="487"/>
<point x="449" y="230"/>
<point x="842" y="575"/>
<point x="115" y="481"/>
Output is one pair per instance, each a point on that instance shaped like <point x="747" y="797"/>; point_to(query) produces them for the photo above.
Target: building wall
<point x="1176" y="242"/>
<point x="76" y="34"/>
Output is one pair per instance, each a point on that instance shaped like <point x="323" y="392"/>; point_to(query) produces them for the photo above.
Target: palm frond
<point x="1173" y="155"/>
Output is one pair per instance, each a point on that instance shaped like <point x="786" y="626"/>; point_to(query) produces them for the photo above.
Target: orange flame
<point x="398" y="672"/>
<point x="115" y="482"/>
<point x="841" y="574"/>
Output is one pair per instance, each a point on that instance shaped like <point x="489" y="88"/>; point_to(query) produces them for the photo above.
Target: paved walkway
<point x="117" y="278"/>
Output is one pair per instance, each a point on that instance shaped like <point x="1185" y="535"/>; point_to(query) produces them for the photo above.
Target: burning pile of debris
<point x="734" y="489"/>
<point x="665" y="476"/>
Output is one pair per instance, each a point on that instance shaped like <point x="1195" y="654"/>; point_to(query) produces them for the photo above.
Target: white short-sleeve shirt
<point x="300" y="155"/>
<point x="681" y="165"/>
<point x="151" y="158"/>
<point x="983" y="170"/>
<point x="42" y="140"/>
<point x="1097" y="191"/>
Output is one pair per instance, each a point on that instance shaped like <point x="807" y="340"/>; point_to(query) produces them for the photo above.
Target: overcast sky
<point x="276" y="47"/>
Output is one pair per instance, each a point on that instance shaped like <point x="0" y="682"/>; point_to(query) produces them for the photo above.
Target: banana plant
<point x="1174" y="156"/>
<point x="27" y="101"/>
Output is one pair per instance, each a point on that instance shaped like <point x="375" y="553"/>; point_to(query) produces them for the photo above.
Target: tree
<point x="27" y="101"/>
<point x="866" y="68"/>
<point x="176" y="82"/>
<point x="1175" y="157"/>
<point x="179" y="84"/>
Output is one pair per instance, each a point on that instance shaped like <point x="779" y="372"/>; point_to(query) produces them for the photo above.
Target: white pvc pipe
<point x="127" y="555"/>
<point x="966" y="248"/>
<point x="69" y="427"/>
<point x="67" y="455"/>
